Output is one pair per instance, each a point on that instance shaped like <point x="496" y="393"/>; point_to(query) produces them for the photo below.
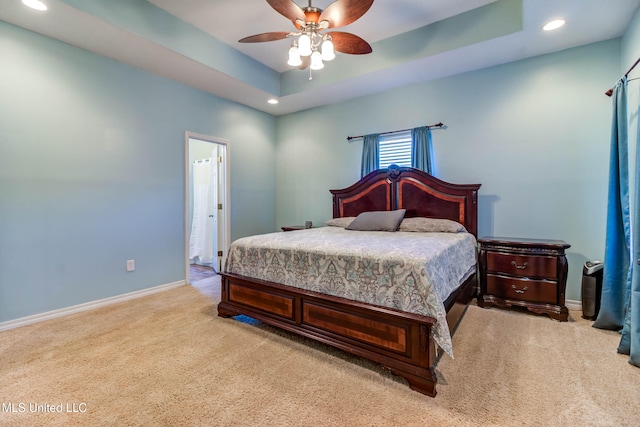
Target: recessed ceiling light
<point x="35" y="4"/>
<point x="553" y="25"/>
<point x="272" y="101"/>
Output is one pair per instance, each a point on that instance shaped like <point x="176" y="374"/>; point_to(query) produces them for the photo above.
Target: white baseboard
<point x="23" y="321"/>
<point x="573" y="305"/>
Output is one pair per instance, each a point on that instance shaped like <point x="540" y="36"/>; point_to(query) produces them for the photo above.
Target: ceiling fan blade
<point x="349" y="43"/>
<point x="265" y="37"/>
<point x="344" y="12"/>
<point x="288" y="9"/>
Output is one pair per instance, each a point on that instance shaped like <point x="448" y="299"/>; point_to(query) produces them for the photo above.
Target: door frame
<point x="224" y="240"/>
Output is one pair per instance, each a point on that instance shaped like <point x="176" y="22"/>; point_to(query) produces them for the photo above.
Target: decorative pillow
<point x="378" y="221"/>
<point x="431" y="225"/>
<point x="340" y="222"/>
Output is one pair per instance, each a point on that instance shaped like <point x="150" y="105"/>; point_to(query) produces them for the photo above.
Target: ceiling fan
<point x="313" y="46"/>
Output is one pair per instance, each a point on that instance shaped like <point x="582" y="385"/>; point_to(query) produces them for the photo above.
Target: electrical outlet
<point x="131" y="264"/>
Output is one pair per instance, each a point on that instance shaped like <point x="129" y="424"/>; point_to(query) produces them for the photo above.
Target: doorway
<point x="207" y="227"/>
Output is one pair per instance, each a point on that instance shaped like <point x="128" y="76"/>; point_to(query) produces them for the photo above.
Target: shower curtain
<point x="203" y="242"/>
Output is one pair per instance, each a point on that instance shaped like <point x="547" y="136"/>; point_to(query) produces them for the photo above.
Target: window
<point x="395" y="148"/>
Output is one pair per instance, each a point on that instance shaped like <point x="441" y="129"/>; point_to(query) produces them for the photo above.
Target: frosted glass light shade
<point x="294" y="57"/>
<point x="304" y="45"/>
<point x="328" y="53"/>
<point x="316" y="61"/>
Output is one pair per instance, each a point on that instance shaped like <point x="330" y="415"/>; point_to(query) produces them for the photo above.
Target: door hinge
<point x="219" y="159"/>
<point x="219" y="253"/>
<point x="219" y="206"/>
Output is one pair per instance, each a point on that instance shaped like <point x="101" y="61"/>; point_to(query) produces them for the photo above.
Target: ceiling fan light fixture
<point x="304" y="45"/>
<point x="328" y="53"/>
<point x="294" y="55"/>
<point x="35" y="4"/>
<point x="316" y="61"/>
<point x="554" y="25"/>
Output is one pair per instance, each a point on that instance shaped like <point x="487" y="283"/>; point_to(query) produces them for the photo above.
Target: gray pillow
<point x="426" y="225"/>
<point x="377" y="221"/>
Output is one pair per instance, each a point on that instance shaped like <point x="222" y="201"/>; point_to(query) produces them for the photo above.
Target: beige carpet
<point x="168" y="360"/>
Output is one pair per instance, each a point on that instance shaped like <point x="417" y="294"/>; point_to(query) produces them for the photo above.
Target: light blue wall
<point x="160" y="27"/>
<point x="92" y="173"/>
<point x="630" y="54"/>
<point x="631" y="50"/>
<point x="534" y="133"/>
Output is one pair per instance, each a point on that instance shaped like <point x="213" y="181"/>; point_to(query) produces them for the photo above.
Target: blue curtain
<point x="421" y="149"/>
<point x="370" y="154"/>
<point x="616" y="284"/>
<point x="630" y="342"/>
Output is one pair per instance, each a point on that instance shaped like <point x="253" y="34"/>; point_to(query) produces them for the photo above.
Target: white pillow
<point x="423" y="225"/>
<point x="340" y="222"/>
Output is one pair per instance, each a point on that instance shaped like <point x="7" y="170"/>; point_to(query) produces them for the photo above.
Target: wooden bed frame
<point x="401" y="342"/>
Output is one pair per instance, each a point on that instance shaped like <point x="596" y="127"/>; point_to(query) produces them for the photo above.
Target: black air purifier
<point x="591" y="289"/>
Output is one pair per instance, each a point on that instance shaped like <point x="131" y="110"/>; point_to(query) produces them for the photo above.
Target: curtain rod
<point x="610" y="91"/>
<point x="437" y="125"/>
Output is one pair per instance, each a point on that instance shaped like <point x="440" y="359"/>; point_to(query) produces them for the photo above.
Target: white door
<point x="207" y="225"/>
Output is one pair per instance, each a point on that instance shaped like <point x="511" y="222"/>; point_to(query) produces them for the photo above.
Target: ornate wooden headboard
<point x="421" y="194"/>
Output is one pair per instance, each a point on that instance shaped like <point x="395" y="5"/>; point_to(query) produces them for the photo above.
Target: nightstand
<point x="529" y="273"/>
<point x="293" y="227"/>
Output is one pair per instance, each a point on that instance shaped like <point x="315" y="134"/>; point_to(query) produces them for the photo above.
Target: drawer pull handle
<point x="519" y="291"/>
<point x="521" y="267"/>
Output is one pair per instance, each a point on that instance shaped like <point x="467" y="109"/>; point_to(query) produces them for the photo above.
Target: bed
<point x="405" y="339"/>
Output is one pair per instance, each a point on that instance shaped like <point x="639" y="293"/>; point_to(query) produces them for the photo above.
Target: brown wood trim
<point x="352" y="304"/>
<point x="270" y="302"/>
<point x="459" y="200"/>
<point x="380" y="334"/>
<point x="349" y="200"/>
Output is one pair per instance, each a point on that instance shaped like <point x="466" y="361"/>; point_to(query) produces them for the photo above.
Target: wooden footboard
<point x="401" y="342"/>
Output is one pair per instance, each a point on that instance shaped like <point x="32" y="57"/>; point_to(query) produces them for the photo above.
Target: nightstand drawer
<point x="523" y="265"/>
<point x="540" y="291"/>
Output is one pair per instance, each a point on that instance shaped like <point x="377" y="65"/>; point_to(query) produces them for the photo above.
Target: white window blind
<point x="395" y="148"/>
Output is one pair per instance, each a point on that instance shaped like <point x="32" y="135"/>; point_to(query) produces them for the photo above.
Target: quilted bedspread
<point x="410" y="271"/>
